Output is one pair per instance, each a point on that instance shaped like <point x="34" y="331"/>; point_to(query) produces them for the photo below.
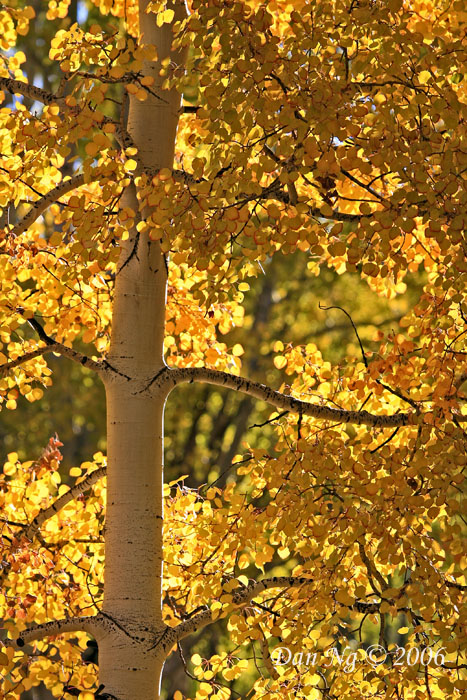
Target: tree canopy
<point x="203" y="195"/>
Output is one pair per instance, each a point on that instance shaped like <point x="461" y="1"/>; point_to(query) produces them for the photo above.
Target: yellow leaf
<point x="9" y="469"/>
<point x="91" y="148"/>
<point x="326" y="210"/>
<point x="343" y="597"/>
<point x="117" y="72"/>
<point x="423" y="77"/>
<point x="165" y="174"/>
<point x="165" y="17"/>
<point x="280" y="362"/>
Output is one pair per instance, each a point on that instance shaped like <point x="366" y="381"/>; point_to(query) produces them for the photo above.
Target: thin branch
<point x="371" y="569"/>
<point x="16" y="87"/>
<point x="51" y="346"/>
<point x="454" y="584"/>
<point x="122" y="136"/>
<point x="240" y="597"/>
<point x="364" y="85"/>
<point x="227" y="469"/>
<point x="34" y="323"/>
<point x="23" y="182"/>
<point x="129" y="77"/>
<point x="79" y="488"/>
<point x="362" y="349"/>
<point x="399" y="395"/>
<point x="322" y="330"/>
<point x="40" y="205"/>
<point x="271" y="420"/>
<point x="276" y="193"/>
<point x="7" y="366"/>
<point x="57" y="348"/>
<point x="385" y="441"/>
<point x="267" y="657"/>
<point x="272" y="191"/>
<point x="363" y="185"/>
<point x="32" y="529"/>
<point x="395" y="392"/>
<point x="247" y="593"/>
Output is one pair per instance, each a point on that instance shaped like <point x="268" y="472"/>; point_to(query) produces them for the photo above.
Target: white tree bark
<point x="132" y="649"/>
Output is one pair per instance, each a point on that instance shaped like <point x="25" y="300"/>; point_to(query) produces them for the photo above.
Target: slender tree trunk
<point x="130" y="659"/>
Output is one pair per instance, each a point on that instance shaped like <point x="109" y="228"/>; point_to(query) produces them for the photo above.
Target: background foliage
<point x="325" y="166"/>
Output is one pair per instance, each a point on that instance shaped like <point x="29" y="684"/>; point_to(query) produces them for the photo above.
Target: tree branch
<point x="40" y="205"/>
<point x="395" y="392"/>
<point x="289" y="403"/>
<point x="273" y="191"/>
<point x="52" y="346"/>
<point x="58" y="348"/>
<point x="174" y="377"/>
<point x="372" y="570"/>
<point x="277" y="193"/>
<point x="267" y="657"/>
<point x="50" y="629"/>
<point x="246" y="594"/>
<point x="17" y="87"/>
<point x="240" y="597"/>
<point x="30" y="530"/>
<point x="5" y="368"/>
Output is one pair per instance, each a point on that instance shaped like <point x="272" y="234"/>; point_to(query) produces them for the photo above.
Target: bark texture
<point x="132" y="644"/>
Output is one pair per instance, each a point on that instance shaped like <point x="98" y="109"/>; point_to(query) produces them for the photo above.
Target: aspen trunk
<point x="130" y="659"/>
